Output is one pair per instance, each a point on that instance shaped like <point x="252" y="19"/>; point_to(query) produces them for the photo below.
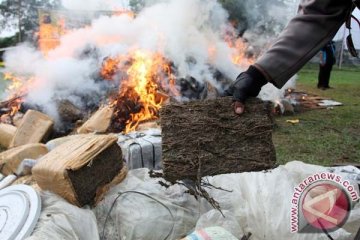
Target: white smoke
<point x="270" y="93"/>
<point x="94" y="5"/>
<point x="183" y="31"/>
<point x="178" y="29"/>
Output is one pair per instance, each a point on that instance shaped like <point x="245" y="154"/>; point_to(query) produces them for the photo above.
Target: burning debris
<point x="137" y="99"/>
<point x="297" y="102"/>
<point x="126" y="62"/>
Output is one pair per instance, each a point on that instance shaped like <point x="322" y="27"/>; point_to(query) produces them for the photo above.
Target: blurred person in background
<point x="327" y="60"/>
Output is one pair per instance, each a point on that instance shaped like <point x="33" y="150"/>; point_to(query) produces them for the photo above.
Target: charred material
<point x="124" y="108"/>
<point x="8" y="109"/>
<point x="69" y="112"/>
<point x="206" y="138"/>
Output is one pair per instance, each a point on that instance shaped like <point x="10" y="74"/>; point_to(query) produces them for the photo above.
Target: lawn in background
<point x="324" y="136"/>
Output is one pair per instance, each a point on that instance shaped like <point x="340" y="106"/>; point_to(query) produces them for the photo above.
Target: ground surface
<point x="323" y="136"/>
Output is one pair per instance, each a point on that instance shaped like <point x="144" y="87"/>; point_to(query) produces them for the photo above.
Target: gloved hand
<point x="247" y="84"/>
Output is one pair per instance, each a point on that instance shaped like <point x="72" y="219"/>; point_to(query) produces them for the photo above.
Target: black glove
<point x="247" y="84"/>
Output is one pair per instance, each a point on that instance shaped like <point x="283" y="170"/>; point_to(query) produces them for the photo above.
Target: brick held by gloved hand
<point x="209" y="138"/>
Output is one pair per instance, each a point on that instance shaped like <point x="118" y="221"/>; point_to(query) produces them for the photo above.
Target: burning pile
<point x="114" y="75"/>
<point x="131" y="64"/>
<point x="177" y="50"/>
<point x="138" y="98"/>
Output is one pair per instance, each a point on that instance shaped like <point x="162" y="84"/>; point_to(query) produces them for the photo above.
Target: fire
<point x="16" y="82"/>
<point x="18" y="86"/>
<point x="138" y="97"/>
<point x="120" y="12"/>
<point x="239" y="56"/>
<point x="240" y="49"/>
<point x="141" y="80"/>
<point x="16" y="91"/>
<point x="50" y="31"/>
<point x="109" y="68"/>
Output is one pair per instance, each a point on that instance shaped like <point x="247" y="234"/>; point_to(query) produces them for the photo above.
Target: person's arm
<point x="316" y="24"/>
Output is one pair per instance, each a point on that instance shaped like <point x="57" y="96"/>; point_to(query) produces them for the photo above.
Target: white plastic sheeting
<point x="214" y="218"/>
<point x="259" y="202"/>
<point x="162" y="213"/>
<point x="140" y="208"/>
<point x="60" y="220"/>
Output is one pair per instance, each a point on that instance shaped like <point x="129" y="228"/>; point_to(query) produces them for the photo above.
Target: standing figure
<point x="327" y="60"/>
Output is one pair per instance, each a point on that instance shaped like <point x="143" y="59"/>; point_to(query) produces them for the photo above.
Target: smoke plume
<point x="189" y="33"/>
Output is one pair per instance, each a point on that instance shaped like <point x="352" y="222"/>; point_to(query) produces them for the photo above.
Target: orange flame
<point x="49" y="34"/>
<point x="139" y="98"/>
<point x="143" y="76"/>
<point x="239" y="47"/>
<point x="17" y="88"/>
<point x="119" y="12"/>
<point x="19" y="85"/>
<point x="109" y="68"/>
<point x="239" y="56"/>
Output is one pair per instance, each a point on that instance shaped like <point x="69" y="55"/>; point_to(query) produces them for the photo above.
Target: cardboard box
<point x="99" y="122"/>
<point x="12" y="158"/>
<point x="7" y="133"/>
<point x="34" y="128"/>
<point x="77" y="169"/>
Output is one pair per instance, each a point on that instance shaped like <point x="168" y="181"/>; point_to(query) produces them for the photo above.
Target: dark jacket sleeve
<point x="316" y="24"/>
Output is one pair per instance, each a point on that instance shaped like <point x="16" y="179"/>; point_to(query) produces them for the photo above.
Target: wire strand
<point x="143" y="194"/>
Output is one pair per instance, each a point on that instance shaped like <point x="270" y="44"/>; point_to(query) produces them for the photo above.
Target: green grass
<point x="323" y="136"/>
<point x="2" y="83"/>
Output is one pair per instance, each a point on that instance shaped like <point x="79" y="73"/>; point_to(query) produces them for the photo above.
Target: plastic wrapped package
<point x="60" y="220"/>
<point x="140" y="208"/>
<point x="142" y="149"/>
